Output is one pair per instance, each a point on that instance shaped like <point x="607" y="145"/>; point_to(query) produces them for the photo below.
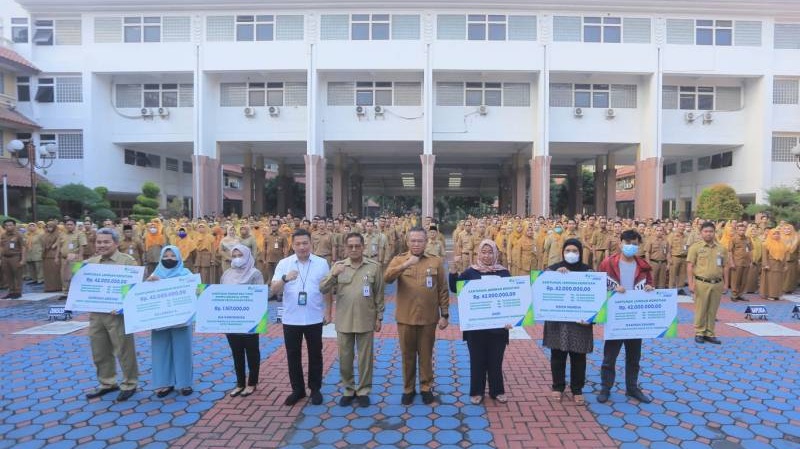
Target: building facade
<point x="409" y="98"/>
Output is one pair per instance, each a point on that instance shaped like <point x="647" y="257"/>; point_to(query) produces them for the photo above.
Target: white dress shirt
<point x="309" y="276"/>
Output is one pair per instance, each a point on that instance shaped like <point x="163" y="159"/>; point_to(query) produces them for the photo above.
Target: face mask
<point x="169" y="263"/>
<point x="558" y="230"/>
<point x="237" y="262"/>
<point x="181" y="234"/>
<point x="630" y="250"/>
<point x="572" y="257"/>
<point x="153" y="230"/>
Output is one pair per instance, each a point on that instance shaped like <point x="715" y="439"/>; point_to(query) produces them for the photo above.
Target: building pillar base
<point x="647" y="196"/>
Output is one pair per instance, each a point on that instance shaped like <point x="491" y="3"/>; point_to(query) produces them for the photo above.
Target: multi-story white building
<point x="402" y="98"/>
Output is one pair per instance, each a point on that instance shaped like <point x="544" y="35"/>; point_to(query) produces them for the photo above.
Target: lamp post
<point x="27" y="155"/>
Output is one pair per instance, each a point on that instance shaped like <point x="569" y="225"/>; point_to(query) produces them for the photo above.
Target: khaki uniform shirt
<point x="356" y="312"/>
<point x="435" y="248"/>
<point x="322" y="244"/>
<point x="34" y="248"/>
<point x="376" y="247"/>
<point x="741" y="250"/>
<point x="115" y="259"/>
<point x="275" y="247"/>
<point x="72" y="243"/>
<point x="11" y="244"/>
<point x="708" y="260"/>
<point x="250" y="243"/>
<point x="417" y="302"/>
<point x="656" y="249"/>
<point x="132" y="248"/>
<point x="678" y="244"/>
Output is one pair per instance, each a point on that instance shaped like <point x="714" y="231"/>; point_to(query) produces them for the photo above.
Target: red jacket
<point x="643" y="276"/>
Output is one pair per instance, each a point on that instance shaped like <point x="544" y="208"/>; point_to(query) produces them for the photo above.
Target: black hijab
<point x="577" y="266"/>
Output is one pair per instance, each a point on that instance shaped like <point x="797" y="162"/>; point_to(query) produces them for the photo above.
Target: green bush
<point x="98" y="215"/>
<point x="45" y="212"/>
<point x="719" y="202"/>
<point x="147" y="202"/>
<point x="151" y="189"/>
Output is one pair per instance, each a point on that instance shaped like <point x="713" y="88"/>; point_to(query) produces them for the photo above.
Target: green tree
<point x="175" y="207"/>
<point x="76" y="200"/>
<point x="783" y="203"/>
<point x="146" y="207"/>
<point x="102" y="209"/>
<point x="719" y="202"/>
<point x="46" y="207"/>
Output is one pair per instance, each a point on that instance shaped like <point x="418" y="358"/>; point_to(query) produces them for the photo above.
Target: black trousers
<point x="245" y="346"/>
<point x="633" y="354"/>
<point x="577" y="370"/>
<point x="486" y="351"/>
<point x="293" y="339"/>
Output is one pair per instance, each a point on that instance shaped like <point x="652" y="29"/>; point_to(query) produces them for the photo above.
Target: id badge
<point x="719" y="261"/>
<point x="365" y="289"/>
<point x="302" y="298"/>
<point x="12" y="245"/>
<point x="71" y="246"/>
<point x="429" y="281"/>
<point x="747" y="248"/>
<point x="374" y="248"/>
<point x="686" y="247"/>
<point x="130" y="251"/>
<point x="276" y="245"/>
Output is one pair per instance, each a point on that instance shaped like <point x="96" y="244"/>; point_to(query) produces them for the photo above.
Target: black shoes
<point x="428" y="397"/>
<point x="603" y="396"/>
<point x="346" y="401"/>
<point x="638" y="395"/>
<point x="363" y="401"/>
<point x="699" y="339"/>
<point x="408" y="398"/>
<point x="96" y="393"/>
<point x="316" y="397"/>
<point x="186" y="391"/>
<point x="162" y="393"/>
<point x="713" y="340"/>
<point x="293" y="398"/>
<point x="124" y="395"/>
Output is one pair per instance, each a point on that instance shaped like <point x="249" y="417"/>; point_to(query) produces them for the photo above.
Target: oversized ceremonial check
<point x="238" y="309"/>
<point x="640" y="314"/>
<point x="96" y="287"/>
<point x="493" y="302"/>
<point x="159" y="304"/>
<point x="573" y="296"/>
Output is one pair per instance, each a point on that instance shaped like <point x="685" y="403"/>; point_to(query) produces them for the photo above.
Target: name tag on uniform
<point x="719" y="261"/>
<point x="71" y="246"/>
<point x="12" y="245"/>
<point x="365" y="289"/>
<point x="302" y="298"/>
<point x="276" y="245"/>
<point x="374" y="248"/>
<point x="130" y="251"/>
<point x="685" y="247"/>
<point x="429" y="279"/>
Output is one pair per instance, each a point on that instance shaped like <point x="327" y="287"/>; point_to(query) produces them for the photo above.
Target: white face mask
<point x="237" y="262"/>
<point x="153" y="230"/>
<point x="572" y="257"/>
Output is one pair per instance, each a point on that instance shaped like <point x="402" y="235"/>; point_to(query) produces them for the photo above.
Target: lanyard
<point x="303" y="278"/>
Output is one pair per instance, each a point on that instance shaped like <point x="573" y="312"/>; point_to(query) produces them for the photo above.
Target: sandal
<point x="186" y="391"/>
<point x="475" y="400"/>
<point x="501" y="398"/>
<point x="236" y="392"/>
<point x="248" y="391"/>
<point x="163" y="392"/>
<point x="579" y="399"/>
<point x="556" y="395"/>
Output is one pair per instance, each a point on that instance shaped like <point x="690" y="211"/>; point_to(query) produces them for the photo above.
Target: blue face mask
<point x="630" y="250"/>
<point x="181" y="234"/>
<point x="558" y="230"/>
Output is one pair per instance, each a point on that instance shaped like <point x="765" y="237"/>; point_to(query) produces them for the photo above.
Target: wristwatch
<point x="283" y="278"/>
<point x="446" y="316"/>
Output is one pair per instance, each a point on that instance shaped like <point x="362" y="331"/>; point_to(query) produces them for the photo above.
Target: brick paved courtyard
<point x="743" y="394"/>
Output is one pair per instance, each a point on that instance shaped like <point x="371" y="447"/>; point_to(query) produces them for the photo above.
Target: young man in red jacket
<point x="626" y="271"/>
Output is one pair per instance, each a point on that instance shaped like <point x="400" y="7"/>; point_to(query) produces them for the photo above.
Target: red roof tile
<point x="12" y="58"/>
<point x="15" y="120"/>
<point x="17" y="176"/>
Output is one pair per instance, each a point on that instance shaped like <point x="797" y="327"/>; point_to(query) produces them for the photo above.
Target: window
<point x="256" y="94"/>
<point x="693" y="98"/>
<point x="19" y="30"/>
<point x="488" y="94"/>
<point x="142" y="29"/>
<point x="274" y="94"/>
<point x="687" y="166"/>
<point x="626" y="184"/>
<point x="169" y="95"/>
<point x="46" y="91"/>
<point x="152" y="95"/>
<point x="44" y="32"/>
<point x="255" y="28"/>
<point x="785" y="91"/>
<point x="592" y="95"/>
<point x="48" y="139"/>
<point x="370" y="93"/>
<point x="69" y="89"/>
<point x="481" y="27"/>
<point x="141" y="159"/>
<point x="782" y="148"/>
<point x="70" y="145"/>
<point x="187" y="167"/>
<point x="713" y="32"/>
<point x="787" y="36"/>
<point x="231" y="182"/>
<point x="704" y="163"/>
<point x="364" y="27"/>
<point x="171" y="164"/>
<point x="602" y="29"/>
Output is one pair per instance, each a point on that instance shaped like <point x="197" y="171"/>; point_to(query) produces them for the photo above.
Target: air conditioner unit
<point x="249" y="112"/>
<point x="690" y="117"/>
<point x="483" y="110"/>
<point x="274" y="111"/>
<point x="379" y="111"/>
<point x="610" y="113"/>
<point x="708" y="117"/>
<point x="360" y="111"/>
<point x="163" y="112"/>
<point x="577" y="112"/>
<point x="146" y="112"/>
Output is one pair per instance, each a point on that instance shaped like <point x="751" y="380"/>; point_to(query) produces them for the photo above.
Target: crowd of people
<point x="346" y="261"/>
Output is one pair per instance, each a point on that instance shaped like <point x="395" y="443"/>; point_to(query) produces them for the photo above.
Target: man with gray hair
<point x="107" y="330"/>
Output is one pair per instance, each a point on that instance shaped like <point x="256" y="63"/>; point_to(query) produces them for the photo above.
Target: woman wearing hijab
<point x="487" y="346"/>
<point x="774" y="256"/>
<point x="171" y="346"/>
<point x="244" y="347"/>
<point x="566" y="338"/>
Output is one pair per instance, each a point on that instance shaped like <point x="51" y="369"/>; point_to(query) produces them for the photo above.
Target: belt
<point x="682" y="257"/>
<point x="708" y="281"/>
<point x="658" y="261"/>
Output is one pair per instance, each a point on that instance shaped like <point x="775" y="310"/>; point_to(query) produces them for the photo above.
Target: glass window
<point x="46" y="91"/>
<point x="23" y="88"/>
<point x="130" y="157"/>
<point x="152" y="95"/>
<point x="133" y="34"/>
<point x="723" y="36"/>
<point x="360" y="31"/>
<point x="711" y="32"/>
<point x="169" y="95"/>
<point x="152" y="29"/>
<point x="493" y="97"/>
<point x="687" y="102"/>
<point x="600" y="99"/>
<point x="364" y="98"/>
<point x="380" y="27"/>
<point x="256" y="94"/>
<point x="275" y="97"/>
<point x="481" y="27"/>
<point x="497" y="28"/>
<point x="265" y="31"/>
<point x="476" y="32"/>
<point x="19" y="30"/>
<point x="612" y="34"/>
<point x="605" y="29"/>
<point x="383" y="97"/>
<point x="44" y="32"/>
<point x="474" y="97"/>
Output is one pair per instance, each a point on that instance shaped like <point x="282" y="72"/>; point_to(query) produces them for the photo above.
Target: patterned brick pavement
<point x="742" y="394"/>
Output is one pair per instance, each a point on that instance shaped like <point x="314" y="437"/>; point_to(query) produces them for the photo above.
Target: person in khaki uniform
<point x="422" y="301"/>
<point x="754" y="272"/>
<point x="705" y="267"/>
<point x="465" y="249"/>
<point x="70" y="250"/>
<point x="12" y="258"/>
<point x="655" y="252"/>
<point x="523" y="254"/>
<point x="678" y="248"/>
<point x="741" y="257"/>
<point x="130" y="246"/>
<point x="107" y="330"/>
<point x="322" y="243"/>
<point x="434" y="246"/>
<point x="50" y="259"/>
<point x="276" y="247"/>
<point x="599" y="242"/>
<point x="33" y="246"/>
<point x="359" y="311"/>
<point x="375" y="245"/>
<point x="205" y="253"/>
